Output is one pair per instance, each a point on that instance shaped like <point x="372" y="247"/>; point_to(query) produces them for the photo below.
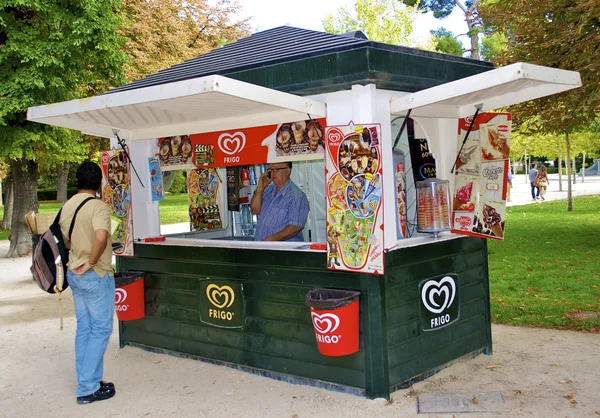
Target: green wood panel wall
<point x="412" y="351"/>
<point x="278" y="334"/>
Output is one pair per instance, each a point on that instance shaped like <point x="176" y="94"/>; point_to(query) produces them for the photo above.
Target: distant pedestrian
<point x="92" y="282"/>
<point x="509" y="184"/>
<point x="532" y="176"/>
<point x="542" y="181"/>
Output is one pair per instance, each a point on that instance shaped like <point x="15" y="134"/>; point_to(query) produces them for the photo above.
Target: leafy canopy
<point x="387" y="21"/>
<point x="53" y="51"/>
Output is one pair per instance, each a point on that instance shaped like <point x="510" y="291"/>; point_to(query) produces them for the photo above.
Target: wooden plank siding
<point x="412" y="351"/>
<point x="278" y="335"/>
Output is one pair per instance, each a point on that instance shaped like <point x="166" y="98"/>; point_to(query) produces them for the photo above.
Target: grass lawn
<point x="546" y="272"/>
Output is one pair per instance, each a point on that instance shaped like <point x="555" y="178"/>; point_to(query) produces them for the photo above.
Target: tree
<point x="445" y="42"/>
<point x="560" y="34"/>
<point x="49" y="52"/>
<point x="381" y="20"/>
<point x="443" y="8"/>
<point x="162" y="33"/>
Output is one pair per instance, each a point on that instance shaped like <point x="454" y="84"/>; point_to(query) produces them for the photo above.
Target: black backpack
<point x="51" y="256"/>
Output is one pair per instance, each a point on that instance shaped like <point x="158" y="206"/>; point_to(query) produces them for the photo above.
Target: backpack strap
<point x="75" y="215"/>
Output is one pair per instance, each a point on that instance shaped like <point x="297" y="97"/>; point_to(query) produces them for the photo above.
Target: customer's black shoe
<point x="101" y="394"/>
<point x="110" y="385"/>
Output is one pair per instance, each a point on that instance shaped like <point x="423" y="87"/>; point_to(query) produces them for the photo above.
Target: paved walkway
<point x="521" y="190"/>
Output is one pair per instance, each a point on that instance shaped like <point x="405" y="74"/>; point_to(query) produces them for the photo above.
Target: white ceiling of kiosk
<point x="204" y="104"/>
<point x="493" y="89"/>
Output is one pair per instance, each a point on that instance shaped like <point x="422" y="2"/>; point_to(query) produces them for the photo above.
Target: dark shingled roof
<point x="274" y="46"/>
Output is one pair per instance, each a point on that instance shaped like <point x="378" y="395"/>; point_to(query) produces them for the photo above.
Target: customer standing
<point x="91" y="278"/>
<point x="542" y="181"/>
<point x="532" y="176"/>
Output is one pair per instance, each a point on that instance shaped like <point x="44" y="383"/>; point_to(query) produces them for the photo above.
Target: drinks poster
<point x="116" y="193"/>
<point x="203" y="187"/>
<point x="353" y="177"/>
<point x="479" y="200"/>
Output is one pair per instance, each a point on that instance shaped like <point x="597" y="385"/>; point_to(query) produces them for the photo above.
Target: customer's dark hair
<point x="289" y="164"/>
<point x="89" y="176"/>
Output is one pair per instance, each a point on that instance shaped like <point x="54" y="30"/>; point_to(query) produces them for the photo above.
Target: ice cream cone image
<point x="298" y="130"/>
<point x="497" y="230"/>
<point x="457" y="203"/>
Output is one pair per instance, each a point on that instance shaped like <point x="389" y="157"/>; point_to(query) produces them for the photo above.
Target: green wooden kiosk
<point x="281" y="75"/>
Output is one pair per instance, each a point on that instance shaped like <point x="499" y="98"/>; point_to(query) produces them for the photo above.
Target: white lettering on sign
<point x="442" y="320"/>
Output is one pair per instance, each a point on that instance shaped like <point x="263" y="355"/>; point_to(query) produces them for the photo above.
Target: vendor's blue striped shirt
<point x="288" y="207"/>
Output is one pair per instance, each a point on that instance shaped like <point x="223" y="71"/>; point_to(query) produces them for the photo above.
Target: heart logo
<point x="221" y="297"/>
<point x="432" y="290"/>
<point x="120" y="296"/>
<point x="334" y="136"/>
<point x="232" y="143"/>
<point x="325" y="323"/>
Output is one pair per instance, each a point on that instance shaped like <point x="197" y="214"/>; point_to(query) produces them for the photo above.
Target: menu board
<point x="203" y="186"/>
<point x="353" y="177"/>
<point x="116" y="193"/>
<point x="479" y="199"/>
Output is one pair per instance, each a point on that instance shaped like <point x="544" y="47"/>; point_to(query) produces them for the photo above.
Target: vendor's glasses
<point x="275" y="170"/>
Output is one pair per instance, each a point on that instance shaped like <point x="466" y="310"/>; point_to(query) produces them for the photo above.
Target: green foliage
<point x="52" y="52"/>
<point x="445" y="42"/>
<point x="179" y="183"/>
<point x="554" y="33"/>
<point x="547" y="269"/>
<point x="492" y="46"/>
<point x="385" y="21"/>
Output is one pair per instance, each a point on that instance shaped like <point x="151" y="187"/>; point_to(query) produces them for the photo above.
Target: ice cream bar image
<point x="373" y="184"/>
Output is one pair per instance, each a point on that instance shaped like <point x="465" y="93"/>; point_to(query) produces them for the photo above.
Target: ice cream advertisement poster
<point x="354" y="198"/>
<point x="298" y="140"/>
<point x="479" y="200"/>
<point x="156" y="182"/>
<point x="116" y="193"/>
<point x="203" y="187"/>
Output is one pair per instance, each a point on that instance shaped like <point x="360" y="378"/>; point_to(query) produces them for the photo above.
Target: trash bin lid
<point x="330" y="298"/>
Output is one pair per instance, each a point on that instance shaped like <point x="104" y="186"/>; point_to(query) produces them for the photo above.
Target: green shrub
<point x="179" y="183"/>
<point x="50" y="194"/>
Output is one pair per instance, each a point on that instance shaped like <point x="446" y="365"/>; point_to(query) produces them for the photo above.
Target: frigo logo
<point x="438" y="297"/>
<point x="221" y="298"/>
<point x="326" y="323"/>
<point x="120" y="298"/>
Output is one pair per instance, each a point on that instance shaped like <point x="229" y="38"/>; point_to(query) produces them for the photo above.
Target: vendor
<point x="282" y="206"/>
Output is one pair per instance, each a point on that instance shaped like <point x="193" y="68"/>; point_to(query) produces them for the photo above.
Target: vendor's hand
<point x="263" y="181"/>
<point x="270" y="238"/>
<point x="82" y="268"/>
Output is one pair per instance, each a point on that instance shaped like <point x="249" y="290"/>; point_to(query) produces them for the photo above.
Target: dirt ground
<point x="540" y="373"/>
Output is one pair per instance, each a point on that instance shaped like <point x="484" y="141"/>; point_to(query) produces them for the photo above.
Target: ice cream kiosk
<point x="403" y="156"/>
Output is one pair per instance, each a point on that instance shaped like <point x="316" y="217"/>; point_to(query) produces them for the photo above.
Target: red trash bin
<point x="129" y="295"/>
<point x="335" y="318"/>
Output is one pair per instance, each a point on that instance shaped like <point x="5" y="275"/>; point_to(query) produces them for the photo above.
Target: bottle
<point x="246" y="220"/>
<point x="252" y="175"/>
<point x="245" y="177"/>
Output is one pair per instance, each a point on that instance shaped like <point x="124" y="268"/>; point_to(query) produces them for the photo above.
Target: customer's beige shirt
<point x="94" y="215"/>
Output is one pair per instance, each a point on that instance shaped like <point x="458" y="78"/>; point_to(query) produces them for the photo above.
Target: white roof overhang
<point x="491" y="90"/>
<point x="204" y="104"/>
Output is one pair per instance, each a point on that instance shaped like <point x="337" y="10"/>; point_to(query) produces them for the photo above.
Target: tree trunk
<point x="559" y="168"/>
<point x="61" y="186"/>
<point x="583" y="169"/>
<point x="473" y="36"/>
<point x="569" y="187"/>
<point x="25" y="199"/>
<point x="1" y="197"/>
<point x="8" y="203"/>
